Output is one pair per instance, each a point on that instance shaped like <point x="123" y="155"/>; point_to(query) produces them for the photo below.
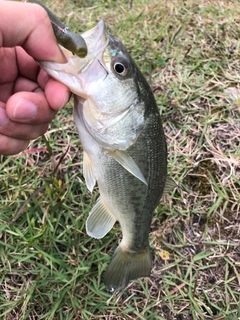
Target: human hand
<point x="29" y="98"/>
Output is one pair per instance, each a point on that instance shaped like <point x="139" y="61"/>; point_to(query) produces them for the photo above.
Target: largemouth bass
<point x="124" y="148"/>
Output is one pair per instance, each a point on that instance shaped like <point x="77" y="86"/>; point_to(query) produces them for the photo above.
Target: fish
<point x="124" y="148"/>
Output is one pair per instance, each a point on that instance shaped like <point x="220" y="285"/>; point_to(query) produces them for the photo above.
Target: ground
<point x="49" y="268"/>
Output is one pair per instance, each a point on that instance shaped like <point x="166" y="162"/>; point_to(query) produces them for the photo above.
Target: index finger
<point x="28" y="25"/>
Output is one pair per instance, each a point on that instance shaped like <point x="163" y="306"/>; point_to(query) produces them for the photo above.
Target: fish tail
<point x="126" y="266"/>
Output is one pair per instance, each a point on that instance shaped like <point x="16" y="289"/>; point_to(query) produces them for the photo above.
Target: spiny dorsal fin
<point x="88" y="172"/>
<point x="100" y="220"/>
<point x="169" y="186"/>
<point x="128" y="163"/>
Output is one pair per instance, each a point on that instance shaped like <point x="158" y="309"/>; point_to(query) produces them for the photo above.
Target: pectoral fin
<point x="100" y="220"/>
<point x="88" y="172"/>
<point x="128" y="163"/>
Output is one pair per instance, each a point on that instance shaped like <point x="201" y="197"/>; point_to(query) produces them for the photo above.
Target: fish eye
<point x="121" y="67"/>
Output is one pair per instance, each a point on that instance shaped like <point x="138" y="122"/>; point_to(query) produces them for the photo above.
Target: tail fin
<point x="126" y="266"/>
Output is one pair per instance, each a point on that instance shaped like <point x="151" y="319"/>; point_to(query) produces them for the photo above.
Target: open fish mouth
<point x="96" y="40"/>
<point x="69" y="72"/>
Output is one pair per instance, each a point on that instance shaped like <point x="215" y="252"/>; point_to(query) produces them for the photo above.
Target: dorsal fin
<point x="169" y="186"/>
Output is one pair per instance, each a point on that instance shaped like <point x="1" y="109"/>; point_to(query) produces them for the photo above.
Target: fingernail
<point x="24" y="110"/>
<point x="3" y="117"/>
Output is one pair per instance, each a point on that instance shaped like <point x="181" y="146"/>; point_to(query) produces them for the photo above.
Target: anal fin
<point x="100" y="221"/>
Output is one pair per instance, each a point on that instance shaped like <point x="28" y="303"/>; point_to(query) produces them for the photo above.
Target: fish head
<point x="109" y="80"/>
<point x="106" y="88"/>
<point x="113" y="112"/>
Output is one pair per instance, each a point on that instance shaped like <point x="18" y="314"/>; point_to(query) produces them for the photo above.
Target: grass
<point x="49" y="267"/>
